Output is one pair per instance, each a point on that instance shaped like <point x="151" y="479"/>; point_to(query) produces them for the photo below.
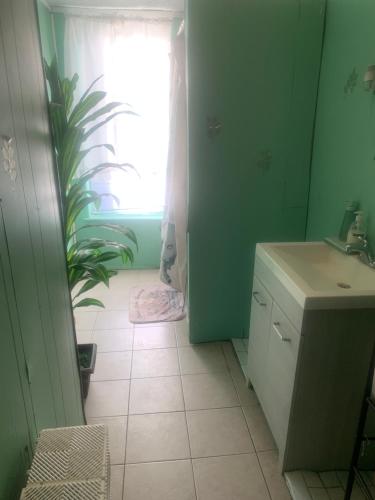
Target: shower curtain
<point x="174" y="226"/>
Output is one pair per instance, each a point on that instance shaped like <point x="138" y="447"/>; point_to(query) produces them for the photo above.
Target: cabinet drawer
<point x="280" y="373"/>
<point x="261" y="308"/>
<point x="260" y="297"/>
<point x="285" y="332"/>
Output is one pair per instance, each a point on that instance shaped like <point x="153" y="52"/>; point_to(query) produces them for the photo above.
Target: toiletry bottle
<point x="349" y="217"/>
<point x="357" y="230"/>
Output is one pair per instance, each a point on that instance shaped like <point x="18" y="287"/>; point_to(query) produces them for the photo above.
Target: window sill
<point x="122" y="217"/>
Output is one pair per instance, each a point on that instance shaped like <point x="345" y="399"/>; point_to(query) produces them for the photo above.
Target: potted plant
<point x="73" y="122"/>
<point x="87" y="359"/>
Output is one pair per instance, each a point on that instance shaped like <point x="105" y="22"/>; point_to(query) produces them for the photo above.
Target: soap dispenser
<point x="357" y="230"/>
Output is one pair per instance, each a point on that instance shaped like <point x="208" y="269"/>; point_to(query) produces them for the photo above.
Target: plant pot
<point x="87" y="359"/>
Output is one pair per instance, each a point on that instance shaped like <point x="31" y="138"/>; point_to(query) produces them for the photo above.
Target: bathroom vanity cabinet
<point x="310" y="348"/>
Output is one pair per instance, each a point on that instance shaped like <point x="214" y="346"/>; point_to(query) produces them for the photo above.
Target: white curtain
<point x="133" y="55"/>
<point x="173" y="258"/>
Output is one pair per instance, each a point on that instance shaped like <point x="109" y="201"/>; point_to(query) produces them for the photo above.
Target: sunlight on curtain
<point x="134" y="58"/>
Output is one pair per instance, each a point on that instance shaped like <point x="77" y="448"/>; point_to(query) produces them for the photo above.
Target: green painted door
<point x="253" y="68"/>
<point x="40" y="384"/>
<point x="15" y="443"/>
<point x="20" y="232"/>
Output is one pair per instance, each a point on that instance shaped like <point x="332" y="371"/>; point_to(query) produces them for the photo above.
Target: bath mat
<point x="156" y="303"/>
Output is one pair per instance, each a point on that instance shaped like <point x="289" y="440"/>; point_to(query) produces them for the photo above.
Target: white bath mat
<point x="156" y="303"/>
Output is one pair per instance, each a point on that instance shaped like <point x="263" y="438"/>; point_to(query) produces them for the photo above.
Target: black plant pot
<point x="87" y="358"/>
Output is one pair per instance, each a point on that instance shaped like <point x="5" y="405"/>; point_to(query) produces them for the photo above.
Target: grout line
<point x="239" y="399"/>
<point x="187" y="427"/>
<point x="244" y="416"/>
<point x="127" y="421"/>
<point x="256" y="453"/>
<point x="182" y="374"/>
<point x="173" y="411"/>
<point x="191" y="458"/>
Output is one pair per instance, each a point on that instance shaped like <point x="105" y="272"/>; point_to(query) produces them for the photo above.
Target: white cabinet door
<point x="261" y="307"/>
<point x="280" y="373"/>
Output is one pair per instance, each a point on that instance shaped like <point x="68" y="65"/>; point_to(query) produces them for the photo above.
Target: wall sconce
<point x="369" y="79"/>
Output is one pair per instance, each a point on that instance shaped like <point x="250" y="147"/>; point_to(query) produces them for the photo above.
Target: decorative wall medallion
<point x="351" y="82"/>
<point x="264" y="160"/>
<point x="214" y="126"/>
<point x="8" y="160"/>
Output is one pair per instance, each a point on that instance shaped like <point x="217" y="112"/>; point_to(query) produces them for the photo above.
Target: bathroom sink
<point x="316" y="271"/>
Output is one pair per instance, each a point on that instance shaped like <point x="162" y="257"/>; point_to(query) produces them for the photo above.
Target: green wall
<point x="58" y="20"/>
<point x="47" y="36"/>
<point x="51" y="29"/>
<point x="40" y="384"/>
<point x="254" y="66"/>
<point x="343" y="166"/>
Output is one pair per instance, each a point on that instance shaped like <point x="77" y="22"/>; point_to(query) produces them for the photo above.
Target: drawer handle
<point x="276" y="326"/>
<point x="258" y="298"/>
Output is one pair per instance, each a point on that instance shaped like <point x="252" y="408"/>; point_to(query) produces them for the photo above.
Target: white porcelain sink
<point x="316" y="271"/>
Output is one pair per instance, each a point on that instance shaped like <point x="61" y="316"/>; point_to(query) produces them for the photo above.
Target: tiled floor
<point x="241" y="347"/>
<point x="307" y="485"/>
<point x="182" y="423"/>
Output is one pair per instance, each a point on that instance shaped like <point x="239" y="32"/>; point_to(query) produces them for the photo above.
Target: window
<point x="134" y="58"/>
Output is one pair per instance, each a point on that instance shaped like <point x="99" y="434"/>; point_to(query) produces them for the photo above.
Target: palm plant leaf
<point x="106" y="120"/>
<point x="117" y="228"/>
<point x="89" y="302"/>
<point x="83" y="107"/>
<point x="92" y="172"/>
<point x="86" y="257"/>
<point x="100" y="112"/>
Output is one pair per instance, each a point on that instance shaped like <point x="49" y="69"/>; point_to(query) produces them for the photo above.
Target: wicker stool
<point x="70" y="463"/>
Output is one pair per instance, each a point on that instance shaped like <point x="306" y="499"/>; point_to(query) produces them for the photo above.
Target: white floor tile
<point x="201" y="359"/>
<point x="230" y="356"/>
<point x="85" y="320"/>
<point x="209" y="390"/>
<point x="155" y="363"/>
<point x="117" y="436"/>
<point x="235" y="477"/>
<point x="238" y="345"/>
<point x="160" y="481"/>
<point x="107" y="399"/>
<point x="154" y="337"/>
<point x="152" y="325"/>
<point x="153" y="395"/>
<point x="116" y="485"/>
<point x="329" y="479"/>
<point x="156" y="437"/>
<point x="112" y="366"/>
<point x="274" y="479"/>
<point x="242" y="358"/>
<point x="116" y="300"/>
<point x="218" y="432"/>
<point x="113" y="340"/>
<point x="108" y="320"/>
<point x="84" y="336"/>
<point x="311" y="479"/>
<point x="259" y="430"/>
<point x="318" y="494"/>
<point x="336" y="493"/>
<point x="246" y="395"/>
<point x="182" y="333"/>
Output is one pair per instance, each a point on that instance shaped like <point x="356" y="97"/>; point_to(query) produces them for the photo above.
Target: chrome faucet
<point x="362" y="248"/>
